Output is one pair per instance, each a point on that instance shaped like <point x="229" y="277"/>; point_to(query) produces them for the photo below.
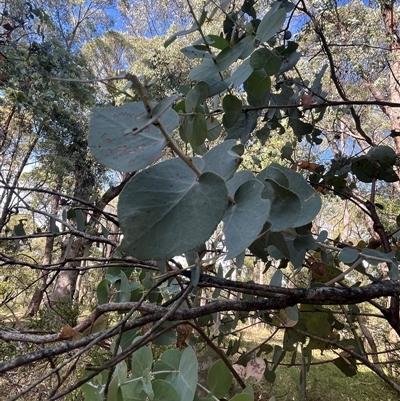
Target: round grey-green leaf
<point x="164" y="391"/>
<point x="348" y="255"/>
<point x="219" y="379"/>
<point x="166" y="210"/>
<point x="224" y="159"/>
<point x="249" y="207"/>
<point x="120" y="139"/>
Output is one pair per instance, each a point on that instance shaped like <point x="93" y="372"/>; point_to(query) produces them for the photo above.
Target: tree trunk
<point x="61" y="298"/>
<point x="65" y="286"/>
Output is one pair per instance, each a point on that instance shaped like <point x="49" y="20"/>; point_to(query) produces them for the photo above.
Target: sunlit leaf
<point x="121" y="138"/>
<point x="271" y="24"/>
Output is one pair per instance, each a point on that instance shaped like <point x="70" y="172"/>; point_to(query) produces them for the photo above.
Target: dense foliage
<point x="260" y="145"/>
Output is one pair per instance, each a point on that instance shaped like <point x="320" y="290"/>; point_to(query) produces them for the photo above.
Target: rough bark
<point x="65" y="285"/>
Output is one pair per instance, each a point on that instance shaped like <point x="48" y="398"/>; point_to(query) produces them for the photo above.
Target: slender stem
<point x="218" y="351"/>
<point x="208" y="391"/>
<point x="345" y="273"/>
<point x="177" y="149"/>
<point x="142" y="91"/>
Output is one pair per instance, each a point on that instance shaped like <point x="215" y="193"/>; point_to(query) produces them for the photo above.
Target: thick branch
<point x="312" y="296"/>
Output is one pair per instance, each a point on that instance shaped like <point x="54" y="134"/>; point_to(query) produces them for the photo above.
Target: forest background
<point x="199" y="199"/>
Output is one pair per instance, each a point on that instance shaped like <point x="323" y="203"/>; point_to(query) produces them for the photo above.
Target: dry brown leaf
<point x="68" y="333"/>
<point x="183" y="332"/>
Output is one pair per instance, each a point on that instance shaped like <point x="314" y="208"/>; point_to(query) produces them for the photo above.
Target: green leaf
<point x="305" y="242"/>
<point x="169" y="361"/>
<point x="113" y="272"/>
<point x="242" y="397"/>
<point x="122" y="139"/>
<point x="233" y="108"/>
<point x="244" y="127"/>
<point x="278" y="355"/>
<point x="271" y="24"/>
<point x="167" y="338"/>
<point x="248" y="390"/>
<point x="71" y="214"/>
<point x="289" y="316"/>
<point x="316" y="87"/>
<point x="194" y="129"/>
<point x="214" y="128"/>
<point x="347" y="366"/>
<point x="125" y="289"/>
<point x="270" y="375"/>
<point x="258" y="83"/>
<point x="53" y="227"/>
<point x="248" y="206"/>
<point x="241" y="73"/>
<point x="192" y="52"/>
<point x="219" y="379"/>
<point x="348" y="255"/>
<point x="102" y="291"/>
<point x="322" y="236"/>
<point x="164" y="391"/>
<point x="300" y="128"/>
<point x="239" y="261"/>
<point x="276" y="279"/>
<point x="278" y="241"/>
<point x="121" y="372"/>
<point x="388" y="257"/>
<point x="237" y="180"/>
<point x="285" y="206"/>
<point x="166" y="210"/>
<point x="223" y="159"/>
<point x="185" y="32"/>
<point x="216" y="84"/>
<point x="19" y="229"/>
<point x="230" y="54"/>
<point x="132" y="391"/>
<point x="196" y="97"/>
<point x="383" y="154"/>
<point x="127" y="338"/>
<point x="93" y="389"/>
<point x="310" y="200"/>
<point x="80" y="220"/>
<point x="223" y="61"/>
<point x="142" y="359"/>
<point x="317" y="322"/>
<point x="195" y="271"/>
<point x="185" y="382"/>
<point x="290" y="338"/>
<point x="217" y="42"/>
<point x="146" y="383"/>
<point x="266" y="59"/>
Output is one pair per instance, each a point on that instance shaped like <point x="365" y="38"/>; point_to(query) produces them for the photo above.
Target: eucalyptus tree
<point x="45" y="123"/>
<point x="359" y="44"/>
